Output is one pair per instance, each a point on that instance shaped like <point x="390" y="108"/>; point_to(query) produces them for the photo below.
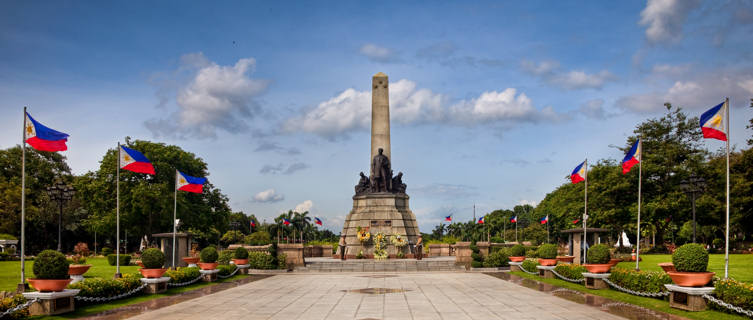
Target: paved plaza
<point x="448" y="295"/>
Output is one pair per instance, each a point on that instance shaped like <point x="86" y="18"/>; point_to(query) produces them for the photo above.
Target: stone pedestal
<point x="243" y="268"/>
<point x="155" y="285"/>
<point x="77" y="278"/>
<point x="596" y="280"/>
<point x="52" y="303"/>
<point x="463" y="252"/>
<point x="483" y="248"/>
<point x="209" y="275"/>
<point x="546" y="271"/>
<point x="293" y="253"/>
<point x="515" y="266"/>
<point x="688" y="298"/>
<point x="387" y="213"/>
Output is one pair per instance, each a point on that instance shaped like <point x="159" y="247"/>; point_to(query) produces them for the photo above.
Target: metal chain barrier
<point x="728" y="306"/>
<point x="568" y="279"/>
<point x="526" y="271"/>
<point x="184" y="283"/>
<point x="642" y="294"/>
<point x="18" y="307"/>
<point x="230" y="275"/>
<point x="105" y="299"/>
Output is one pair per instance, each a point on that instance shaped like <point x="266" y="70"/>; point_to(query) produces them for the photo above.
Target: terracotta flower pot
<point x="208" y="265"/>
<point x="78" y="269"/>
<point x="47" y="285"/>
<point x="598" y="268"/>
<point x="690" y="279"/>
<point x="667" y="266"/>
<point x="152" y="273"/>
<point x="517" y="259"/>
<point x="614" y="262"/>
<point x="191" y="260"/>
<point x="139" y="263"/>
<point x="239" y="262"/>
<point x="568" y="259"/>
<point x="548" y="262"/>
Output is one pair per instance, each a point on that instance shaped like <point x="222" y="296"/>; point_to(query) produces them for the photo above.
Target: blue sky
<point x="491" y="103"/>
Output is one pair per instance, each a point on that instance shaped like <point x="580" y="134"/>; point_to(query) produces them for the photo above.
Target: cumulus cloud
<point x="378" y="53"/>
<point x="268" y="196"/>
<point x="281" y="168"/>
<point x="304" y="206"/>
<point x="593" y="109"/>
<point x="664" y="19"/>
<point x="215" y="98"/>
<point x="507" y="106"/>
<point x="551" y="72"/>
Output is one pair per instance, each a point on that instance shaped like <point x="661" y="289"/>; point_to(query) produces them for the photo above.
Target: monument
<point x="380" y="204"/>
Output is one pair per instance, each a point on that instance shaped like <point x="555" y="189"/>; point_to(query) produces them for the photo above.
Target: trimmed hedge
<point x="183" y="274"/>
<point x="152" y="258"/>
<point x="12" y="302"/>
<point x="598" y="254"/>
<point x="209" y="255"/>
<point x="241" y="253"/>
<point x="571" y="271"/>
<point x="125" y="259"/>
<point x="517" y="251"/>
<point x="106" y="251"/>
<point x="691" y="257"/>
<point x="103" y="288"/>
<point x="226" y="269"/>
<point x="50" y="264"/>
<point x="261" y="260"/>
<point x="497" y="259"/>
<point x="529" y="265"/>
<point x="478" y="259"/>
<point x="641" y="281"/>
<point x="547" y="251"/>
<point x="281" y="263"/>
<point x="734" y="292"/>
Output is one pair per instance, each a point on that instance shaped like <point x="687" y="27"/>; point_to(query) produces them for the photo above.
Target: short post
<point x="596" y="280"/>
<point x="687" y="298"/>
<point x="52" y="303"/>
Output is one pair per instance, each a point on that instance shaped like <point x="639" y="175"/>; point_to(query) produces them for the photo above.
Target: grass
<point x="10" y="271"/>
<point x="739" y="265"/>
<point x="650" y="303"/>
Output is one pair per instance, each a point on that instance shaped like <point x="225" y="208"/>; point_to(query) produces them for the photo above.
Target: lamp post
<point x="61" y="193"/>
<point x="692" y="186"/>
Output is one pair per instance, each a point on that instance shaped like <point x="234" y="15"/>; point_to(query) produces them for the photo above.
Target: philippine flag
<point x="632" y="157"/>
<point x="514" y="219"/>
<point x="253" y="224"/>
<point x="576" y="221"/>
<point x="317" y="221"/>
<point x="713" y="124"/>
<point x="133" y="160"/>
<point x="481" y="220"/>
<point x="184" y="182"/>
<point x="448" y="218"/>
<point x="42" y="138"/>
<point x="544" y="220"/>
<point x="285" y="221"/>
<point x="579" y="174"/>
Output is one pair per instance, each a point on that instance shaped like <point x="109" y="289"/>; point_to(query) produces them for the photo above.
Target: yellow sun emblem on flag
<point x="182" y="180"/>
<point x="29" y="129"/>
<point x="126" y="158"/>
<point x="716" y="121"/>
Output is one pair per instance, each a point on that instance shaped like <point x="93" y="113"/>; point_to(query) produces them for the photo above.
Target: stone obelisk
<point x="380" y="115"/>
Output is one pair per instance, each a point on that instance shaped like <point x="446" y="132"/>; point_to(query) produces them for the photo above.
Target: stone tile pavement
<point x="454" y="296"/>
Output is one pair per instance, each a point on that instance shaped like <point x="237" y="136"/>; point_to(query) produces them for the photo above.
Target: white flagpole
<point x="117" y="218"/>
<point x="585" y="210"/>
<point x="175" y="214"/>
<point x="640" y="174"/>
<point x="726" y="244"/>
<point x="22" y="285"/>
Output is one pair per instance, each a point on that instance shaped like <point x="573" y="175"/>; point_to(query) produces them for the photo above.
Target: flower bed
<point x="570" y="271"/>
<point x="10" y="303"/>
<point x="640" y="281"/>
<point x="183" y="274"/>
<point x="734" y="292"/>
<point x="104" y="288"/>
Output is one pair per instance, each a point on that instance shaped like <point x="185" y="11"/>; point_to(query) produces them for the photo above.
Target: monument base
<point x="388" y="213"/>
<point x="209" y="275"/>
<point x="687" y="298"/>
<point x="52" y="303"/>
<point x="546" y="272"/>
<point x="155" y="285"/>
<point x="596" y="280"/>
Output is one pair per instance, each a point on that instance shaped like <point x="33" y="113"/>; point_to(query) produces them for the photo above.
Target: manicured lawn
<point x="10" y="271"/>
<point x="650" y="303"/>
<point x="739" y="265"/>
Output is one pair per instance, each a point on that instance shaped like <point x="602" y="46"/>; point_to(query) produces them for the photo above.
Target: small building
<point x="165" y="243"/>
<point x="8" y="246"/>
<point x="575" y="240"/>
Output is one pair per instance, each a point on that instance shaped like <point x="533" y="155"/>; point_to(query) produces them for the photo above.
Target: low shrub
<point x="517" y="251"/>
<point x="478" y="259"/>
<point x="225" y="256"/>
<point x="281" y="263"/>
<point x="258" y="238"/>
<point x="10" y="303"/>
<point x="183" y="274"/>
<point x="261" y="260"/>
<point x="497" y="259"/>
<point x="77" y="259"/>
<point x="107" y="251"/>
<point x="734" y="292"/>
<point x="50" y="264"/>
<point x="497" y="239"/>
<point x="547" y="251"/>
<point x="598" y="254"/>
<point x="209" y="255"/>
<point x="104" y="288"/>
<point x="4" y="256"/>
<point x="240" y="253"/>
<point x="125" y="259"/>
<point x="152" y="258"/>
<point x="641" y="281"/>
<point x="5" y="236"/>
<point x="532" y="252"/>
<point x="571" y="271"/>
<point x="226" y="269"/>
<point x="690" y="257"/>
<point x="529" y="265"/>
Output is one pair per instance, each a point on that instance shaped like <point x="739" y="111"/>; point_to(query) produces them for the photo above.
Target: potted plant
<point x="153" y="259"/>
<point x="51" y="272"/>
<point x="240" y="256"/>
<point x="548" y="254"/>
<point x="690" y="261"/>
<point x="614" y="261"/>
<point x="567" y="259"/>
<point x="209" y="257"/>
<point x="517" y="253"/>
<point x="667" y="266"/>
<point x="597" y="259"/>
<point x="78" y="264"/>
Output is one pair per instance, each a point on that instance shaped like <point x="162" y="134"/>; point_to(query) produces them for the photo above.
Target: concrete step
<point x="401" y="265"/>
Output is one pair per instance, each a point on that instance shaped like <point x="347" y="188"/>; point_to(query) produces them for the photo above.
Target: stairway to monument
<point x="444" y="264"/>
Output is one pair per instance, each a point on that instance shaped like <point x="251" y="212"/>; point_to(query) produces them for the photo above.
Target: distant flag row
<point x="286" y="221"/>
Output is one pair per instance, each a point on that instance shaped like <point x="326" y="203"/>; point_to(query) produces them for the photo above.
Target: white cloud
<point x="551" y="72"/>
<point x="747" y="85"/>
<point x="493" y="106"/>
<point x="593" y="109"/>
<point x="523" y="202"/>
<point x="377" y="53"/>
<point x="668" y="69"/>
<point x="215" y="98"/>
<point x="304" y="206"/>
<point x="665" y="19"/>
<point x="541" y="68"/>
<point x="268" y="196"/>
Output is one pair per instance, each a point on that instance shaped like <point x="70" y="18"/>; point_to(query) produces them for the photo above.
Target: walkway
<point x="450" y="295"/>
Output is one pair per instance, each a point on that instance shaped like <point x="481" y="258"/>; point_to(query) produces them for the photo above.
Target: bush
<point x="517" y="251"/>
<point x="241" y="253"/>
<point x="106" y="251"/>
<point x="226" y="270"/>
<point x="104" y="288"/>
<point x="261" y="260"/>
<point x="718" y="243"/>
<point x="571" y="271"/>
<point x="497" y="239"/>
<point x="125" y="259"/>
<point x="183" y="274"/>
<point x="531" y="252"/>
<point x="152" y="258"/>
<point x="529" y="265"/>
<point x="232" y="236"/>
<point x="478" y="259"/>
<point x="547" y="251"/>
<point x="209" y="255"/>
<point x="5" y="236"/>
<point x="598" y="254"/>
<point x="497" y="259"/>
<point x="258" y="238"/>
<point x="4" y="256"/>
<point x="10" y="303"/>
<point x="477" y="264"/>
<point x="50" y="264"/>
<point x="281" y="263"/>
<point x="691" y="257"/>
<point x="225" y="257"/>
<point x="641" y="281"/>
<point x="734" y="292"/>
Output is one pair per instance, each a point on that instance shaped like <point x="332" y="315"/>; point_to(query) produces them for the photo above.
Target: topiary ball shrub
<point x="152" y="258"/>
<point x="518" y="251"/>
<point x="547" y="251"/>
<point x="241" y="253"/>
<point x="691" y="257"/>
<point x="50" y="264"/>
<point x="209" y="255"/>
<point x="598" y="254"/>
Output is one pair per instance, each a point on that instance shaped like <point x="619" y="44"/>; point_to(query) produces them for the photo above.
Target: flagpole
<point x="117" y="218"/>
<point x="175" y="215"/>
<point x="585" y="210"/>
<point x="726" y="244"/>
<point x="22" y="285"/>
<point x="640" y="174"/>
<point x="547" y="228"/>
